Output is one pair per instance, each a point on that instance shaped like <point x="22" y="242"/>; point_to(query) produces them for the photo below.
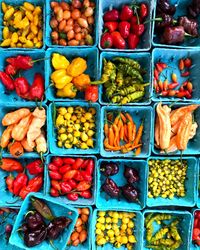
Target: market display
<point x="70" y="118"/>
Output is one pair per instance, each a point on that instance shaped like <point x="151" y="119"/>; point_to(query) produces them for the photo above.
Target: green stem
<point x="40" y="59"/>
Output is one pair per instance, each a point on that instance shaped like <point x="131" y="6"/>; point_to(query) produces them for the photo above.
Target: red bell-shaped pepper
<point x="133" y="41"/>
<point x="92" y="93"/>
<point x="118" y="40"/>
<point x="106" y="40"/>
<point x="111" y="15"/>
<point x="126" y="13"/>
<point x="19" y="182"/>
<point x="111" y="26"/>
<point x="35" y="167"/>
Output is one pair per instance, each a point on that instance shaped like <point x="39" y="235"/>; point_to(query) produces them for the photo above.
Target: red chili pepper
<point x="165" y="85"/>
<point x="156" y="74"/>
<point x="133" y="41"/>
<point x="68" y="160"/>
<point x="189" y="87"/>
<point x="64" y="169"/>
<point x="155" y="84"/>
<point x="86" y="176"/>
<point x="173" y="85"/>
<point x="160" y="84"/>
<point x="185" y="84"/>
<point x="34" y="185"/>
<point x="21" y="62"/>
<point x="35" y="167"/>
<point x="162" y="65"/>
<point x="53" y="167"/>
<point x="72" y="196"/>
<point x="143" y="10"/>
<point x="90" y="167"/>
<point x="72" y="183"/>
<point x="196" y="234"/>
<point x="159" y="67"/>
<point x="22" y="87"/>
<point x="86" y="194"/>
<point x="19" y="182"/>
<point x="138" y="29"/>
<point x="78" y="176"/>
<point x="185" y="74"/>
<point x="188" y="95"/>
<point x="10" y="70"/>
<point x="55" y="175"/>
<point x="118" y="40"/>
<point x="181" y="64"/>
<point x="106" y="40"/>
<point x="7" y="81"/>
<point x="56" y="185"/>
<point x="126" y="13"/>
<point x="111" y="15"/>
<point x="9" y="182"/>
<point x="172" y="92"/>
<point x="65" y="187"/>
<point x="111" y="26"/>
<point x="92" y="93"/>
<point x="188" y="62"/>
<point x="54" y="192"/>
<point x="165" y="93"/>
<point x="10" y="165"/>
<point x="124" y="29"/>
<point x="83" y="185"/>
<point x="181" y="94"/>
<point x="78" y="163"/>
<point x="37" y="88"/>
<point x="85" y="163"/>
<point x="57" y="161"/>
<point x="70" y="174"/>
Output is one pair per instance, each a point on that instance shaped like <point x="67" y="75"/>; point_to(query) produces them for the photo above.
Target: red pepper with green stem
<point x="37" y="88"/>
<point x="118" y="40"/>
<point x="35" y="167"/>
<point x="19" y="182"/>
<point x="106" y="40"/>
<point x="7" y="81"/>
<point x="111" y="26"/>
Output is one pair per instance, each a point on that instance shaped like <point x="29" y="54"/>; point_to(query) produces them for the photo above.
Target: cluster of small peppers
<point x="124" y="28"/>
<point x="20" y="185"/>
<point x="69" y="78"/>
<point x="35" y="230"/>
<point x="128" y="191"/>
<point x="196" y="229"/>
<point x="22" y="26"/>
<point x="12" y="81"/>
<point x="71" y="177"/>
<point x="173" y="89"/>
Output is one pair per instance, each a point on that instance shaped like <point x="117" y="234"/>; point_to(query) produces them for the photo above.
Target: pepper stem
<point x="42" y="157"/>
<point x="53" y="246"/>
<point x="54" y="113"/>
<point x="40" y="59"/>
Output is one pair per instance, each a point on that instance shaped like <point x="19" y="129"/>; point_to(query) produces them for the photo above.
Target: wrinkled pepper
<point x="59" y="61"/>
<point x="35" y="167"/>
<point x="60" y="78"/>
<point x="7" y="81"/>
<point x="21" y="86"/>
<point x="37" y="88"/>
<point x="10" y="165"/>
<point x="42" y="208"/>
<point x="9" y="182"/>
<point x="81" y="82"/>
<point x="91" y="93"/>
<point x="77" y="67"/>
<point x="69" y="91"/>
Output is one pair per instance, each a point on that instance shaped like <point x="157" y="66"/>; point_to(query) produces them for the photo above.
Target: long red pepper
<point x="7" y="81"/>
<point x="19" y="182"/>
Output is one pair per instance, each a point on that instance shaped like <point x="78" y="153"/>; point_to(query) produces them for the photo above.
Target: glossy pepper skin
<point x="37" y="87"/>
<point x="19" y="182"/>
<point x="111" y="26"/>
<point x="106" y="40"/>
<point x="56" y="227"/>
<point x="59" y="61"/>
<point x="92" y="93"/>
<point x="143" y="10"/>
<point x="9" y="182"/>
<point x="130" y="193"/>
<point x="10" y="165"/>
<point x="65" y="187"/>
<point x="124" y="29"/>
<point x="111" y="15"/>
<point x="164" y="6"/>
<point x="35" y="167"/>
<point x="42" y="208"/>
<point x="138" y="29"/>
<point x="34" y="238"/>
<point x="165" y="20"/>
<point x="109" y="169"/>
<point x="69" y="91"/>
<point x="60" y="78"/>
<point x="34" y="220"/>
<point x="21" y="86"/>
<point x="21" y="62"/>
<point x="10" y="70"/>
<point x="190" y="25"/>
<point x="133" y="41"/>
<point x="173" y="35"/>
<point x="126" y="13"/>
<point x="118" y="40"/>
<point x="111" y="188"/>
<point x="131" y="175"/>
<point x="7" y="81"/>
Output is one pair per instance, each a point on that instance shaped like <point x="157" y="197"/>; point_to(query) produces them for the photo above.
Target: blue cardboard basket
<point x="137" y="113"/>
<point x="104" y="200"/>
<point x="171" y="57"/>
<point x="12" y="97"/>
<point x="92" y="57"/>
<point x="6" y="108"/>
<point x="63" y="199"/>
<point x="87" y="244"/>
<point x="8" y="220"/>
<point x="191" y="190"/>
<point x="49" y="29"/>
<point x="145" y="39"/>
<point x="57" y="209"/>
<point x="16" y="3"/>
<point x="138" y="230"/>
<point x="180" y="11"/>
<point x="144" y="59"/>
<point x="52" y="134"/>
<point x="184" y="228"/>
<point x="7" y="199"/>
<point x="193" y="147"/>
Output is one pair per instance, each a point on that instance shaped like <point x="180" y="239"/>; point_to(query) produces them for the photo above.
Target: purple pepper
<point x="164" y="6"/>
<point x="190" y="25"/>
<point x="131" y="175"/>
<point x="34" y="220"/>
<point x="130" y="193"/>
<point x="111" y="188"/>
<point x="109" y="169"/>
<point x="173" y="35"/>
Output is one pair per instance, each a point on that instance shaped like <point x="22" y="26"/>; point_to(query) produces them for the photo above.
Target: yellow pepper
<point x="6" y="43"/>
<point x="14" y="37"/>
<point x="30" y="36"/>
<point x="40" y="34"/>
<point x="37" y="10"/>
<point x="22" y="39"/>
<point x="59" y="61"/>
<point x="9" y="13"/>
<point x="6" y="33"/>
<point x="24" y="23"/>
<point x="29" y="6"/>
<point x="29" y="15"/>
<point x="81" y="82"/>
<point x="36" y="20"/>
<point x="17" y="18"/>
<point x="25" y="31"/>
<point x="60" y="78"/>
<point x="34" y="29"/>
<point x="68" y="91"/>
<point x="4" y="7"/>
<point x="29" y="44"/>
<point x="77" y="67"/>
<point x="38" y="44"/>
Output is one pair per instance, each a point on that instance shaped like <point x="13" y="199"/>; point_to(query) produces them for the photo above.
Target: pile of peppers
<point x="172" y="31"/>
<point x="196" y="229"/>
<point x="124" y="27"/>
<point x="21" y="185"/>
<point x="12" y="80"/>
<point x="128" y="191"/>
<point x="35" y="228"/>
<point x="123" y="80"/>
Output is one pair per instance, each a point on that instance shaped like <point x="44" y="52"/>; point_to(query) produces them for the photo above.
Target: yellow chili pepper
<point x="59" y="61"/>
<point x="6" y="43"/>
<point x="24" y="23"/>
<point x="35" y="40"/>
<point x="40" y="35"/>
<point x="6" y="33"/>
<point x="29" y="44"/>
<point x="19" y="45"/>
<point x="4" y="7"/>
<point x="9" y="13"/>
<point x="29" y="15"/>
<point x="60" y="78"/>
<point x="34" y="29"/>
<point x="30" y="36"/>
<point x="36" y="20"/>
<point x="77" y="67"/>
<point x="37" y="10"/>
<point x="13" y="45"/>
<point x="14" y="37"/>
<point x="69" y="91"/>
<point x="25" y="31"/>
<point x="17" y="18"/>
<point x="29" y="6"/>
<point x="38" y="44"/>
<point x="22" y="39"/>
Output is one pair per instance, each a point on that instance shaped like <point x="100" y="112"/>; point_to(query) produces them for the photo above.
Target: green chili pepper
<point x="160" y="234"/>
<point x="119" y="79"/>
<point x="42" y="208"/>
<point x="132" y="88"/>
<point x="128" y="70"/>
<point x="134" y="64"/>
<point x="132" y="97"/>
<point x="116" y="99"/>
<point x="175" y="234"/>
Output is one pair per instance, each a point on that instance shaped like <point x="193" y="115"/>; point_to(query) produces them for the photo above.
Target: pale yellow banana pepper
<point x="60" y="78"/>
<point x="69" y="91"/>
<point x="59" y="61"/>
